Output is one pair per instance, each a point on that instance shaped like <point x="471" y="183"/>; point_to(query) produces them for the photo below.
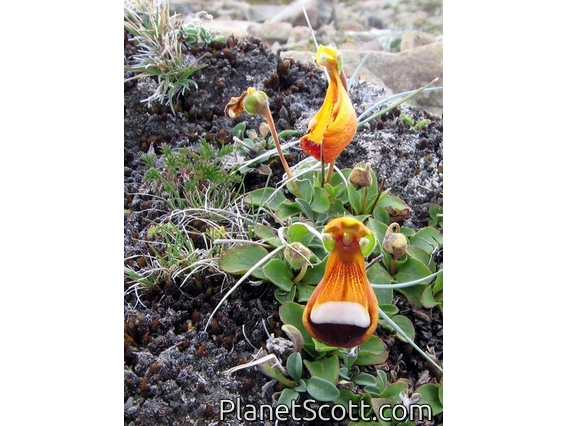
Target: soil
<point x="173" y="369"/>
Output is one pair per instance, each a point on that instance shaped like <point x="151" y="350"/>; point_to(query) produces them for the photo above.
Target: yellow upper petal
<point x="334" y="125"/>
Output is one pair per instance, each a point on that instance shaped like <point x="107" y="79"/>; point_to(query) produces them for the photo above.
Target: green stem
<point x="301" y="273"/>
<point x="364" y="200"/>
<point x="392" y="267"/>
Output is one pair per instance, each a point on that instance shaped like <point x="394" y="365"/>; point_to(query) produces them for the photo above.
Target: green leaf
<point x="428" y="239"/>
<point x="267" y="234"/>
<point x="433" y="212"/>
<point x="438" y="285"/>
<point x="345" y="395"/>
<point x="294" y="366"/>
<point x="392" y="202"/>
<point x="305" y="208"/>
<point x="322" y="390"/>
<point x="430" y="396"/>
<point x="421" y="255"/>
<point x="285" y="296"/>
<point x="322" y="347"/>
<point x="365" y="379"/>
<point x="291" y="313"/>
<point x="279" y="273"/>
<point x="381" y="215"/>
<point x="286" y="133"/>
<point x="373" y="390"/>
<point x="355" y="196"/>
<point x="414" y="294"/>
<point x="304" y="292"/>
<point x="320" y="202"/>
<point x="428" y="300"/>
<point x="287" y="209"/>
<point x="275" y="373"/>
<point x="393" y="391"/>
<point x="381" y="380"/>
<point x="379" y="229"/>
<point x="410" y="270"/>
<point x="306" y="189"/>
<point x="297" y="232"/>
<point x="302" y="387"/>
<point x="336" y="208"/>
<point x="404" y="323"/>
<point x="314" y="275"/>
<point x="326" y="368"/>
<point x="377" y="274"/>
<point x="389" y="309"/>
<point x="239" y="259"/>
<point x="259" y="196"/>
<point x="372" y="352"/>
<point x="377" y="403"/>
<point x="287" y="396"/>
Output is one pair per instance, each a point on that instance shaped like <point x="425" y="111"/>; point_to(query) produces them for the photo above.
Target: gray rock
<point x="320" y="12"/>
<point x="415" y="38"/>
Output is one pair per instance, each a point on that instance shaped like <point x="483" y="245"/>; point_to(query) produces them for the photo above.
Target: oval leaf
<point x="321" y="389"/>
<point x="259" y="196"/>
<point x="404" y="323"/>
<point x="372" y="352"/>
<point x="365" y="379"/>
<point x="325" y="368"/>
<point x="291" y="313"/>
<point x="430" y="397"/>
<point x="427" y="238"/>
<point x="287" y="396"/>
<point x="294" y="366"/>
<point x="239" y="259"/>
<point x="279" y="274"/>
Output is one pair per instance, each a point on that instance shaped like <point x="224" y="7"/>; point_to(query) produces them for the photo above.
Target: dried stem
<point x="268" y="115"/>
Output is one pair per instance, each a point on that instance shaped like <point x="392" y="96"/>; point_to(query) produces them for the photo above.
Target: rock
<point x="410" y="70"/>
<point x="320" y="12"/>
<point x="271" y="33"/>
<point x="231" y="27"/>
<point x="415" y="38"/>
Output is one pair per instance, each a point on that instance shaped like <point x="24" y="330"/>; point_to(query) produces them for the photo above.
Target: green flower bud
<point x="256" y="102"/>
<point x="395" y="243"/>
<point x="360" y="176"/>
<point x="297" y="255"/>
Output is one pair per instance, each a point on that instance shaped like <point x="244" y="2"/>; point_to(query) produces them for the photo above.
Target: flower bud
<point x="255" y="102"/>
<point x="251" y="101"/>
<point x="360" y="176"/>
<point x="297" y="255"/>
<point x="395" y="243"/>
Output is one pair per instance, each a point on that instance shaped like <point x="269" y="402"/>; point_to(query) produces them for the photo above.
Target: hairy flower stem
<point x="364" y="199"/>
<point x="329" y="172"/>
<point x="392" y="267"/>
<point x="270" y="121"/>
<point x="301" y="273"/>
